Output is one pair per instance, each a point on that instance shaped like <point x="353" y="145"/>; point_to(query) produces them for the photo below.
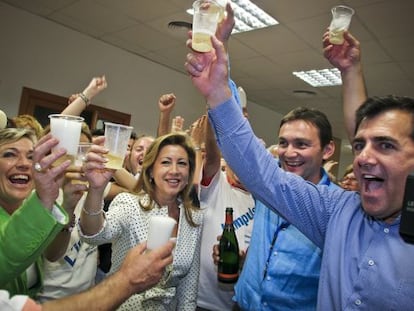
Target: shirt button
<point x="371" y="262"/>
<point x="265" y="304"/>
<point x="275" y="253"/>
<point x="268" y="278"/>
<point x="358" y="302"/>
<point x="386" y="230"/>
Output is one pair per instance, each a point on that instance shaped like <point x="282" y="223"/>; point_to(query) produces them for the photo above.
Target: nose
<point x="290" y="151"/>
<point x="366" y="156"/>
<point x="174" y="168"/>
<point x="24" y="162"/>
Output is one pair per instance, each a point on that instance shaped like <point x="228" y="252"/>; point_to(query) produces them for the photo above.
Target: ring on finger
<point x="37" y="167"/>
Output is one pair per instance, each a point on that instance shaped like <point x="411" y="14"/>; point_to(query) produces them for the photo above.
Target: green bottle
<point x="228" y="266"/>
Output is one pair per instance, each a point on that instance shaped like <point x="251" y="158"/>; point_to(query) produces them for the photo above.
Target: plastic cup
<point x="116" y="140"/>
<point x="159" y="232"/>
<point x="205" y="19"/>
<point x="83" y="149"/>
<point x="341" y="19"/>
<point x="67" y="129"/>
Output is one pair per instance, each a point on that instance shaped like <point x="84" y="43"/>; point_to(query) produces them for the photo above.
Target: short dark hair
<point x="313" y="116"/>
<point x="375" y="106"/>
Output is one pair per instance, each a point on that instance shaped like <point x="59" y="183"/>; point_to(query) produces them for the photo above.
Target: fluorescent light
<point x="319" y="78"/>
<point x="248" y="16"/>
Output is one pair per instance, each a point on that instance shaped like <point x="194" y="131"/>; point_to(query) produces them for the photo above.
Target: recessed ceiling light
<point x="322" y="77"/>
<point x="248" y="16"/>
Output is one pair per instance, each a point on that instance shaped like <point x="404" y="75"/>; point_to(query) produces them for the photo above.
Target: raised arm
<point x="347" y="58"/>
<point x="79" y="102"/>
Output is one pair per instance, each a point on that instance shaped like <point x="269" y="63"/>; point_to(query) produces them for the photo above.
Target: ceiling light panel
<point x="320" y="78"/>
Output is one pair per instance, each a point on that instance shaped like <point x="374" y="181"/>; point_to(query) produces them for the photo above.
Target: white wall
<point x="40" y="54"/>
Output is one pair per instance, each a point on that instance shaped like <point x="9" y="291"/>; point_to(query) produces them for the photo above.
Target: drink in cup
<point x="116" y="140"/>
<point x="159" y="231"/>
<point x="67" y="129"/>
<point x="206" y="16"/>
<point x="341" y="19"/>
<point x="83" y="149"/>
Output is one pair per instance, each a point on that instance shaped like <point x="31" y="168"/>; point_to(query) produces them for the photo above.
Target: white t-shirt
<point x="214" y="199"/>
<point x="75" y="271"/>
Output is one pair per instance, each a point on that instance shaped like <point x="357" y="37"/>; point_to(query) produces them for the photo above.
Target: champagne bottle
<point x="228" y="266"/>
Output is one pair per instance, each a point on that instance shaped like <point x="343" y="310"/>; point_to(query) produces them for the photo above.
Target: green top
<point x="24" y="236"/>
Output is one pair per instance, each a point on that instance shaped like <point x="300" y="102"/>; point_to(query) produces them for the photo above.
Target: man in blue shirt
<point x="366" y="265"/>
<point x="282" y="267"/>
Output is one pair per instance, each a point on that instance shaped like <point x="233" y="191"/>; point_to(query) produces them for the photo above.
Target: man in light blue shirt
<point x="281" y="271"/>
<point x="366" y="265"/>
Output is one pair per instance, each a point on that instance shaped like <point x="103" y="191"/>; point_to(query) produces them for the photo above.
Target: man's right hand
<point x="145" y="269"/>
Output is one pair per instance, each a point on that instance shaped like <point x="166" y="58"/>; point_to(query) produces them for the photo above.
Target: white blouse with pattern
<point x="126" y="226"/>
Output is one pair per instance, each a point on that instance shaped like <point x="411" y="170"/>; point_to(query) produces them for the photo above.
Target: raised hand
<point x="209" y="72"/>
<point x="94" y="166"/>
<point x="48" y="177"/>
<point x="177" y="124"/>
<point x="166" y="103"/>
<point x="342" y="56"/>
<point x="96" y="85"/>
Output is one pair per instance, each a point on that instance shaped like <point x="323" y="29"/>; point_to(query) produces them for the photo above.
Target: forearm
<point x="92" y="217"/>
<point x="213" y="155"/>
<point x="58" y="247"/>
<point x="354" y="93"/>
<point x="163" y="124"/>
<point x="83" y="99"/>
<point x="76" y="107"/>
<point x="125" y="179"/>
<point x="107" y="295"/>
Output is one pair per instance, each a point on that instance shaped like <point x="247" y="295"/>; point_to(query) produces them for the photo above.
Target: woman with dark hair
<point x="163" y="189"/>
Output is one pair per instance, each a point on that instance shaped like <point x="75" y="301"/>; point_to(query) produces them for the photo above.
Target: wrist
<point x="70" y="225"/>
<point x="218" y="97"/>
<point x="85" y="98"/>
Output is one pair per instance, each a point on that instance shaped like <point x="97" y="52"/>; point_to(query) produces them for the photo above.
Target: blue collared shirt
<point x="365" y="266"/>
<point x="281" y="271"/>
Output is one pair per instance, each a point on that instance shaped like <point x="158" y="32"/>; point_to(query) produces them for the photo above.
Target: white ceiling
<point x="262" y="61"/>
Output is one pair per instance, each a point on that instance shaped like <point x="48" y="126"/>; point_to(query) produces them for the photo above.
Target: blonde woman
<point x="163" y="189"/>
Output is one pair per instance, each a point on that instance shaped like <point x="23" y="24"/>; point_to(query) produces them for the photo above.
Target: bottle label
<point x="228" y="277"/>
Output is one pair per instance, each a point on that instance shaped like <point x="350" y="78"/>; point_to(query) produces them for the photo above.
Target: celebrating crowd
<point x="306" y="242"/>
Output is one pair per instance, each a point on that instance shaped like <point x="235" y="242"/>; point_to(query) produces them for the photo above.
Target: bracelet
<point x="197" y="148"/>
<point x="69" y="229"/>
<point x="72" y="224"/>
<point x="93" y="213"/>
<point x="85" y="99"/>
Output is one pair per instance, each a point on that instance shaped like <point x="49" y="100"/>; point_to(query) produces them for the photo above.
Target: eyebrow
<point x="15" y="150"/>
<point x="377" y="139"/>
